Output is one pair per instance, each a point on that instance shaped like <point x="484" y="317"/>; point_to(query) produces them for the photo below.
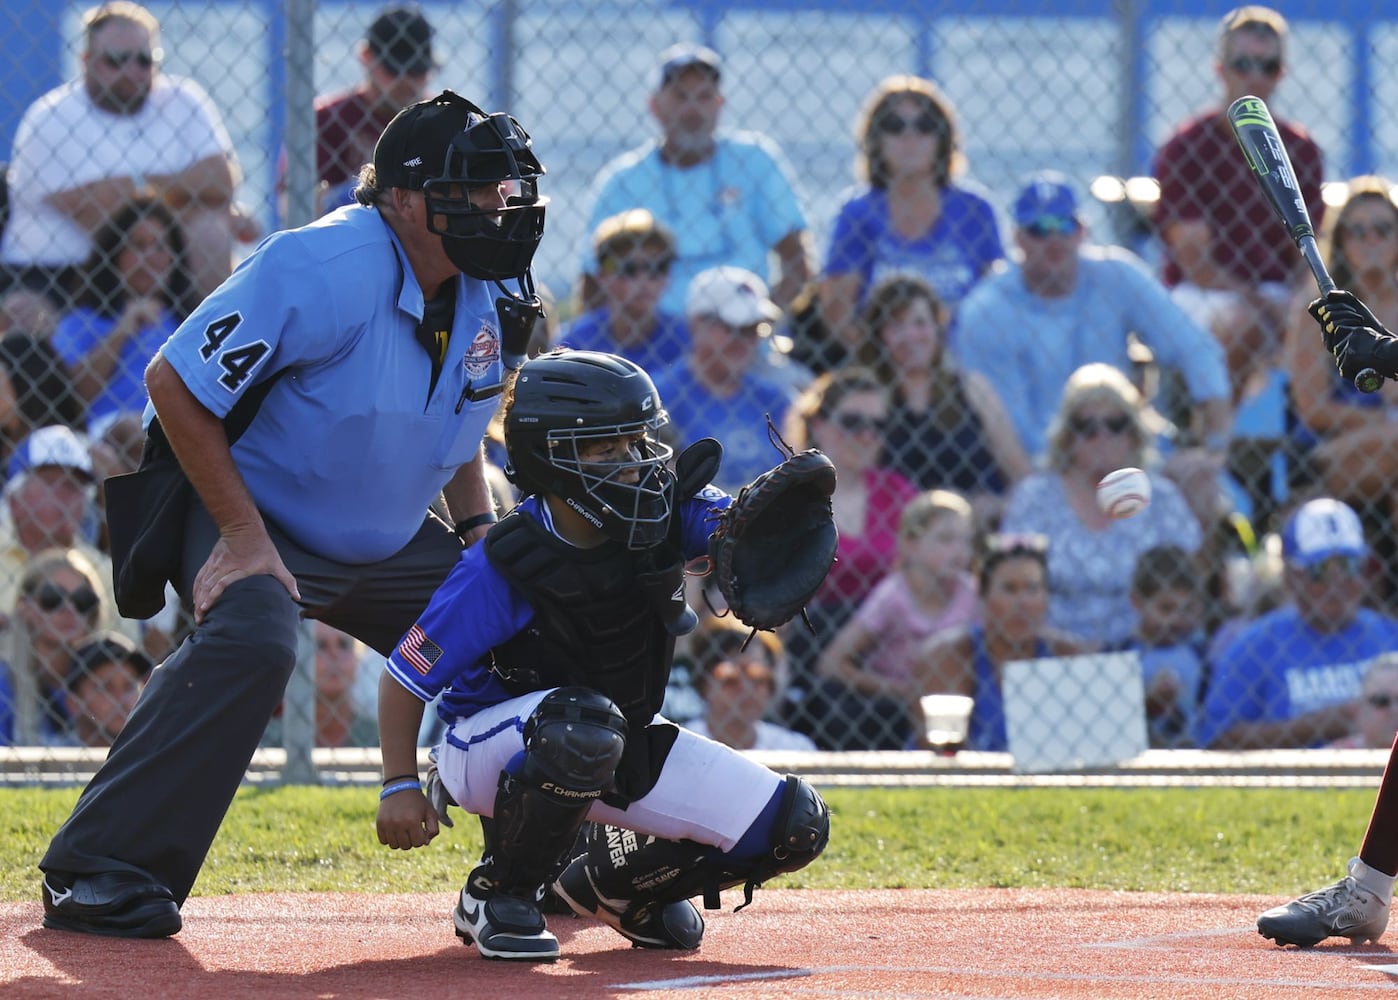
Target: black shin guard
<point x="573" y="743"/>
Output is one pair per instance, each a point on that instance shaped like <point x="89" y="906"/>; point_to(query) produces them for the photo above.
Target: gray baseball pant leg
<point x="157" y="802"/>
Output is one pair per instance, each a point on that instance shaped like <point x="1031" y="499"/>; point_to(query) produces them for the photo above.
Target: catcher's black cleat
<point x="652" y="924"/>
<point x="113" y="904"/>
<point x="500" y="925"/>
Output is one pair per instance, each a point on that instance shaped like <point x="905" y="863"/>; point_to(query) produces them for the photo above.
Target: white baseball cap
<point x="733" y="295"/>
<point x="1320" y="529"/>
<point x="53" y="445"/>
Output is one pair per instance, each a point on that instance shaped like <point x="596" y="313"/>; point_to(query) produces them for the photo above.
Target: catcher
<point x="550" y="644"/>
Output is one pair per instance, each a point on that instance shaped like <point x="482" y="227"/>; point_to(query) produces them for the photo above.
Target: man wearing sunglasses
<point x="122" y="128"/>
<point x="1064" y="303"/>
<point x="1223" y="262"/>
<point x="1292" y="678"/>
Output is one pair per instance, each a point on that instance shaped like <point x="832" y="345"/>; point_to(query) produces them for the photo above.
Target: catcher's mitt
<point x="774" y="545"/>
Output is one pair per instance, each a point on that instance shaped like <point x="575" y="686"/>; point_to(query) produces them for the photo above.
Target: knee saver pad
<point x="573" y="742"/>
<point x="802" y="828"/>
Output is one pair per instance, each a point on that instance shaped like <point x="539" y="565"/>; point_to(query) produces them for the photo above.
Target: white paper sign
<point x="1072" y="712"/>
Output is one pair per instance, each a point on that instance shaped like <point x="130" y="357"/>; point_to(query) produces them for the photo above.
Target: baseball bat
<point x="1271" y="167"/>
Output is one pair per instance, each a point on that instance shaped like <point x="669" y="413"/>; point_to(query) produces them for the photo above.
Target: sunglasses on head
<point x="1092" y="426"/>
<point x="119" y="60"/>
<point x="857" y="423"/>
<point x="637" y="268"/>
<point x="1383" y="701"/>
<point x="1017" y="543"/>
<point x="925" y="123"/>
<point x="1361" y="230"/>
<point x="50" y="597"/>
<point x="1255" y="64"/>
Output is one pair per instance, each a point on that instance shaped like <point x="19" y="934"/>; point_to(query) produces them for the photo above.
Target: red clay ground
<point x="1069" y="944"/>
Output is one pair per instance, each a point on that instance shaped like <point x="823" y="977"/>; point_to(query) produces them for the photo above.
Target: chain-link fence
<point x="930" y="310"/>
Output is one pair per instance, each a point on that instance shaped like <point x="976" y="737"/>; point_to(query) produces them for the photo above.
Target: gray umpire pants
<point x="156" y="803"/>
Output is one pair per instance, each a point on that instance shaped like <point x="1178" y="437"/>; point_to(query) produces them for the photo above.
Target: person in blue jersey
<point x="550" y="645"/>
<point x="635" y="254"/>
<point x="1293" y="677"/>
<point x="377" y="339"/>
<point x="910" y="213"/>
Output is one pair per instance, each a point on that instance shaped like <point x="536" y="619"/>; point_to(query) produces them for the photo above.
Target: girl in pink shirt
<point x="930" y="589"/>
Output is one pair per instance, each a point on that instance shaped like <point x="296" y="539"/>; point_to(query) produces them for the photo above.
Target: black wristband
<point x="475" y="521"/>
<point x="401" y="777"/>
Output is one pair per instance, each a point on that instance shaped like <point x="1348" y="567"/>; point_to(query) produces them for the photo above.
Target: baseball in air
<point x="1124" y="492"/>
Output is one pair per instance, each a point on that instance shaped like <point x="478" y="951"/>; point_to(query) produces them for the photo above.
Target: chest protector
<point x="594" y="626"/>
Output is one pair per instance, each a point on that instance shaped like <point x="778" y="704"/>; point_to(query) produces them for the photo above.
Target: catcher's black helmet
<point x="564" y="400"/>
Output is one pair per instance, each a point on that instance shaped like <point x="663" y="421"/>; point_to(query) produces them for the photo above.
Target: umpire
<point x="378" y="339"/>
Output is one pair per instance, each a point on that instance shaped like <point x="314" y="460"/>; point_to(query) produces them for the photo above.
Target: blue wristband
<point x="402" y="786"/>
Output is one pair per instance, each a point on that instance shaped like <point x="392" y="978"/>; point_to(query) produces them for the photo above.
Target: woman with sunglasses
<point x="1013" y="625"/>
<point x="58" y="606"/>
<point x="844" y="414"/>
<point x="1343" y="436"/>
<point x="908" y="215"/>
<point x="1101" y="425"/>
<point x="948" y="428"/>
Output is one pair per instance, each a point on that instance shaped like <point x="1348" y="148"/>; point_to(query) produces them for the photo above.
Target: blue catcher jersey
<point x="349" y="448"/>
<point x="476" y="609"/>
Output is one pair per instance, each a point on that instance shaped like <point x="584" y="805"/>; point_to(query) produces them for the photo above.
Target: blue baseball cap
<point x="1047" y="200"/>
<point x="1320" y="529"/>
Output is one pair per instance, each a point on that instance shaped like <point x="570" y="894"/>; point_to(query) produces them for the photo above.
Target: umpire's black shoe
<point x="115" y="904"/>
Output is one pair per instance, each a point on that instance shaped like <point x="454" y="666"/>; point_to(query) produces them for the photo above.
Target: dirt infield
<point x="977" y="943"/>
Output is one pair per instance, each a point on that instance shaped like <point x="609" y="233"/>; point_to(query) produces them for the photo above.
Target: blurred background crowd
<point x="979" y="260"/>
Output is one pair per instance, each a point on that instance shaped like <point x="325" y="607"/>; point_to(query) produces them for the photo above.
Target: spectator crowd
<point x="972" y="361"/>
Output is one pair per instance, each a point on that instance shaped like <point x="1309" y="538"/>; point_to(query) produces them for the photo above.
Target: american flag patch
<point x="418" y="651"/>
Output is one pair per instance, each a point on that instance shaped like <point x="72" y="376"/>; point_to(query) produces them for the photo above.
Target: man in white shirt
<point x="121" y="129"/>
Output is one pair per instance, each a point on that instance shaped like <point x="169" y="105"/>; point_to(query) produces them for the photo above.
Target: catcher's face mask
<point x="623" y="478"/>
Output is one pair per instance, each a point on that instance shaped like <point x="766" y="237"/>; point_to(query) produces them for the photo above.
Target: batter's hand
<point x="406" y="820"/>
<point x="239" y="554"/>
<point x="1354" y="335"/>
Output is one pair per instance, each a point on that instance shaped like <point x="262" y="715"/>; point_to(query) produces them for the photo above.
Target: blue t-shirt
<point x="739" y="423"/>
<point x="731" y="209"/>
<point x="665" y="346"/>
<point x="1028" y="345"/>
<point x="475" y="609"/>
<point x="951" y="256"/>
<point x="1279" y="668"/>
<point x="82" y="329"/>
<point x="349" y="448"/>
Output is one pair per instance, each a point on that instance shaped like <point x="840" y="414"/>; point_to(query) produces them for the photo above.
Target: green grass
<point x="1272" y="841"/>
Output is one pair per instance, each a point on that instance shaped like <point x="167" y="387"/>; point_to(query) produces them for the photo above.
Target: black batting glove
<point x="1354" y="336"/>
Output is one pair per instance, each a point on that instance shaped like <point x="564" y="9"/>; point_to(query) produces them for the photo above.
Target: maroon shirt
<point x="1203" y="175"/>
<point x="346" y="131"/>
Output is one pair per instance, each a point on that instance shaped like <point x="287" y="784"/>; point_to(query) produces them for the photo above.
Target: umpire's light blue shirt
<point x="348" y="449"/>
